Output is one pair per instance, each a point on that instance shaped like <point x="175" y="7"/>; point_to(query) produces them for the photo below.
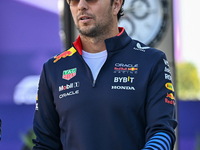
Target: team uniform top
<point x="130" y="106"/>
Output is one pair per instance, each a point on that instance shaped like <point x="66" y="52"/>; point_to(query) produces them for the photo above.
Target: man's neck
<point x="96" y="44"/>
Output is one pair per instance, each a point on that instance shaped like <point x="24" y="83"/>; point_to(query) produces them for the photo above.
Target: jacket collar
<point x="112" y="44"/>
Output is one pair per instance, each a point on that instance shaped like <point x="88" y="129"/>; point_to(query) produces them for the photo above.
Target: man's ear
<point x="117" y="6"/>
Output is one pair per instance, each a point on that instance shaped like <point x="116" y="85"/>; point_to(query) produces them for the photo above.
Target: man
<point x="106" y="92"/>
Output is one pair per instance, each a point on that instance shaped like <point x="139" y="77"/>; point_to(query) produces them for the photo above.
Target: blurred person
<point x="107" y="92"/>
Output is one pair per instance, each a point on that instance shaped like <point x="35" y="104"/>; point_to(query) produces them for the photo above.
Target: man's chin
<point x="88" y="32"/>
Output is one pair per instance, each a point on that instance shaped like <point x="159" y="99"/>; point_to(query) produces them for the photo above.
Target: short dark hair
<point x="121" y="11"/>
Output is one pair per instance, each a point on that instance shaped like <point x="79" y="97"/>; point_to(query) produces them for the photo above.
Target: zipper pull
<point x="93" y="84"/>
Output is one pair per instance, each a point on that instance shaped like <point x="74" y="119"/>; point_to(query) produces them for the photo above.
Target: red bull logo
<point x="132" y="69"/>
<point x="171" y="96"/>
<point x="170" y="99"/>
<point x="172" y="102"/>
<point x="69" y="52"/>
<point x="169" y="86"/>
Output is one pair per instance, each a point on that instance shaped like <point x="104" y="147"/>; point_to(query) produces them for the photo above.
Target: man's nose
<point x="82" y="5"/>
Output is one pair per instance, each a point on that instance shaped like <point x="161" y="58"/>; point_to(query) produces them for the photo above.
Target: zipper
<point x="94" y="81"/>
<point x="93" y="84"/>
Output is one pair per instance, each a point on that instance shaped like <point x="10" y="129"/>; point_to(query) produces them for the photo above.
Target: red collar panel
<point x="77" y="44"/>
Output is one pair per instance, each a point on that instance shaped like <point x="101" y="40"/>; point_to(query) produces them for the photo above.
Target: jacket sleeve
<point x="160" y="107"/>
<point x="46" y="119"/>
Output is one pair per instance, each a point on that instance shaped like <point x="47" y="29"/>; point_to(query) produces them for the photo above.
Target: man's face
<point x="92" y="17"/>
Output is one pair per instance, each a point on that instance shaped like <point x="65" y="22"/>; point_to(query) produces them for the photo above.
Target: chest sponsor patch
<point x="68" y="86"/>
<point x="71" y="93"/>
<point x="68" y="74"/>
<point x="123" y="79"/>
<point x="129" y="88"/>
<point x="125" y="68"/>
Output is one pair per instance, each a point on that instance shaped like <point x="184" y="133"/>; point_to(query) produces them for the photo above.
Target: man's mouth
<point x="85" y="18"/>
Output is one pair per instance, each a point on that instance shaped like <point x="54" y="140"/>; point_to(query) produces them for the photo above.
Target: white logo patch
<point x="166" y="62"/>
<point x="123" y="79"/>
<point x="140" y="48"/>
<point x="123" y="88"/>
<point x="167" y="76"/>
<point x="69" y="94"/>
<point x="69" y="86"/>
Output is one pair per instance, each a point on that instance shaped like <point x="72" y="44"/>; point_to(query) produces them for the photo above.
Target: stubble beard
<point x="98" y="30"/>
<point x="90" y="31"/>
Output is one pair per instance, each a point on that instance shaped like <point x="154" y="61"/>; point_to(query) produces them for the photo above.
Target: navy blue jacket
<point x="130" y="104"/>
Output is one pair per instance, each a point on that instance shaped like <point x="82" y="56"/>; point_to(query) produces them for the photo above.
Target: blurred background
<point x="32" y="31"/>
